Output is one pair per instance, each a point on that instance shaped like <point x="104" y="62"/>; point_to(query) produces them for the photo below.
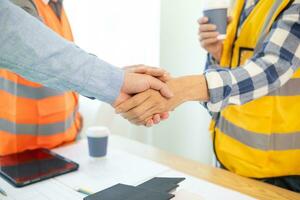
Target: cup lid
<point x="215" y="4"/>
<point x="97" y="131"/>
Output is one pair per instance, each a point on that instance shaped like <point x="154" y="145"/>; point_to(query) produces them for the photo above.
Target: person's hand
<point x="159" y="73"/>
<point x="146" y="71"/>
<point x="208" y="37"/>
<point x="139" y="78"/>
<point x="141" y="108"/>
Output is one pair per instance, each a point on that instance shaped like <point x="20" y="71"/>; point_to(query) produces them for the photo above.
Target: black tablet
<point x="33" y="166"/>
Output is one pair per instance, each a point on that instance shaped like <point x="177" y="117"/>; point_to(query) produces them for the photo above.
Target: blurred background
<point x="153" y="32"/>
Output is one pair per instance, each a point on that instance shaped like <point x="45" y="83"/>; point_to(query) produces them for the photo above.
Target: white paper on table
<point x="186" y="195"/>
<point x="45" y="190"/>
<point x="98" y="174"/>
<point x="205" y="190"/>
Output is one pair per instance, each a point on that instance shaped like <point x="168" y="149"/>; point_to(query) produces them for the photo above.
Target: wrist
<point x="216" y="55"/>
<point x="191" y="88"/>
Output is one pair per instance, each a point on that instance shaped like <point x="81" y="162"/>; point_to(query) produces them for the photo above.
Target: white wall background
<point x="186" y="133"/>
<point x="154" y="32"/>
<point x="123" y="33"/>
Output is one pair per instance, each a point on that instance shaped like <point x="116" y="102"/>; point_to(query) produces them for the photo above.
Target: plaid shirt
<point x="265" y="72"/>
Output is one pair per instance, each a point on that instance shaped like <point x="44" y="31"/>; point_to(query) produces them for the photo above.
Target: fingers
<point x="203" y="20"/>
<point x="152" y="71"/>
<point x="148" y="109"/>
<point x="152" y="105"/>
<point x="229" y="19"/>
<point x="207" y="42"/>
<point x="165" y="78"/>
<point x="160" y="117"/>
<point x="151" y="112"/>
<point x="164" y="116"/>
<point x="156" y="118"/>
<point x="207" y="28"/>
<point x="136" y="113"/>
<point x="159" y="86"/>
<point x="132" y="102"/>
<point x="208" y="35"/>
<point x="159" y="73"/>
<point x="150" y="123"/>
<point x="143" y="118"/>
<point x="207" y="32"/>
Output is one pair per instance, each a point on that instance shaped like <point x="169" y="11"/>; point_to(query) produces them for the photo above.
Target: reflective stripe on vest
<point x="38" y="129"/>
<point x="273" y="142"/>
<point x="291" y="88"/>
<point x="26" y="91"/>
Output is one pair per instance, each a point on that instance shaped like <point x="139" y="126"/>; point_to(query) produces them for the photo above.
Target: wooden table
<point x="221" y="177"/>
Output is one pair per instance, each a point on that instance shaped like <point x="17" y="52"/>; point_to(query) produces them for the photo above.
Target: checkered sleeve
<point x="269" y="69"/>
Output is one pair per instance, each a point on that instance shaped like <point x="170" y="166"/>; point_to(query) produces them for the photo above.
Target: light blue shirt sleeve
<point x="32" y="50"/>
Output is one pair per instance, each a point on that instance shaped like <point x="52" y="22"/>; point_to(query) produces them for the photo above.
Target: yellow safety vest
<point x="261" y="138"/>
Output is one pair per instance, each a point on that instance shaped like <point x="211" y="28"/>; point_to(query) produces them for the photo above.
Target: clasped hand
<point x="151" y="105"/>
<point x="148" y="93"/>
<point x="143" y="105"/>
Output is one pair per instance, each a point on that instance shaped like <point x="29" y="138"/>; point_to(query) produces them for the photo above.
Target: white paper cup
<point x="97" y="141"/>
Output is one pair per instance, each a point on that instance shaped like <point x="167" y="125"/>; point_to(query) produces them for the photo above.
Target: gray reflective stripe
<point x="273" y="142"/>
<point x="291" y="88"/>
<point x="27" y="91"/>
<point x="266" y="26"/>
<point x="37" y="130"/>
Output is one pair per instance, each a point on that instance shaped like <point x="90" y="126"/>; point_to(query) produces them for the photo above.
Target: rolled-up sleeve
<point x="37" y="53"/>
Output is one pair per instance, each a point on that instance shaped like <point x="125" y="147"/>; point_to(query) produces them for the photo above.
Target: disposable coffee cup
<point x="97" y="141"/>
<point x="216" y="12"/>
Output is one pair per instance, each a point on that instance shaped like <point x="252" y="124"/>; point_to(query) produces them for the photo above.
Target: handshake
<point x="149" y="94"/>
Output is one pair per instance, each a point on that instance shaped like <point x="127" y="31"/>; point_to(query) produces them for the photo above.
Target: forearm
<point x="35" y="52"/>
<point x="187" y="88"/>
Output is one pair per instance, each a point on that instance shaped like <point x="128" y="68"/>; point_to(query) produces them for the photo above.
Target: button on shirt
<point x="61" y="65"/>
<point x="276" y="63"/>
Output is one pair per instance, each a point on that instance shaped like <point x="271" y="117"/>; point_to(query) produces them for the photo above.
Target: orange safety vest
<point x="33" y="116"/>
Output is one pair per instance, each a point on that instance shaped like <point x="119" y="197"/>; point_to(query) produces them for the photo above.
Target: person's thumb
<point x="160" y="86"/>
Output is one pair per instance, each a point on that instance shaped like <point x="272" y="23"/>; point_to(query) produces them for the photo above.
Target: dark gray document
<point x="165" y="185"/>
<point x="126" y="192"/>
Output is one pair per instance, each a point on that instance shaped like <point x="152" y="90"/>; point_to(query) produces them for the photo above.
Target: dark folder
<point x="164" y="185"/>
<point x="126" y="192"/>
